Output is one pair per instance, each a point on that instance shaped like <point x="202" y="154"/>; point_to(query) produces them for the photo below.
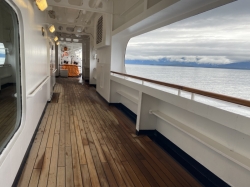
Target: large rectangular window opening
<point x="10" y="78"/>
<point x="209" y="52"/>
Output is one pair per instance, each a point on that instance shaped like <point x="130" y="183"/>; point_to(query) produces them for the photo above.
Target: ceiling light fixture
<point x="56" y="38"/>
<point x="57" y="43"/>
<point x="52" y="28"/>
<point x="41" y="4"/>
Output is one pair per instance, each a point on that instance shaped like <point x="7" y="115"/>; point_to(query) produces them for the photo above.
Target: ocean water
<point x="229" y="82"/>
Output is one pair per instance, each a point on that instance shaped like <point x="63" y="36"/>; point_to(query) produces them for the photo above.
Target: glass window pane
<point x="2" y="54"/>
<point x="10" y="86"/>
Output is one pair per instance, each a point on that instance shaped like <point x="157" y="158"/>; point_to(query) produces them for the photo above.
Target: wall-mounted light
<point x="52" y="28"/>
<point x="56" y="38"/>
<point x="57" y="43"/>
<point x="41" y="4"/>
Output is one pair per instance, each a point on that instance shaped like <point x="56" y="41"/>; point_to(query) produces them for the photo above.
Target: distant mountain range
<point x="166" y="62"/>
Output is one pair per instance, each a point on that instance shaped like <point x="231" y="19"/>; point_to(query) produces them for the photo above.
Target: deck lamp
<point x="56" y="38"/>
<point x="41" y="4"/>
<point x="52" y="28"/>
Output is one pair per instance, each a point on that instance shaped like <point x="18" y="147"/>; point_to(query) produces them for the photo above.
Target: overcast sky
<point x="219" y="36"/>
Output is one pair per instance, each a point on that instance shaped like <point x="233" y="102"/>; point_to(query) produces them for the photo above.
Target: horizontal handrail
<point x="38" y="88"/>
<point x="192" y="90"/>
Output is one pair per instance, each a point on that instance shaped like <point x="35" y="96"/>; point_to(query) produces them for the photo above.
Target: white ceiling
<point x="75" y="16"/>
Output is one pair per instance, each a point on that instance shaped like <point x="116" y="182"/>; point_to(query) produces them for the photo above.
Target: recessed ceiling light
<point x="41" y="4"/>
<point x="52" y="28"/>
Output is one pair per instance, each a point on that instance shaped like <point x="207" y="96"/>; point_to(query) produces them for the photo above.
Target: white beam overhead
<point x="106" y="6"/>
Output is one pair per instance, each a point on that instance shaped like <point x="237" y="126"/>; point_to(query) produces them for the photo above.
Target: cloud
<point x="218" y="36"/>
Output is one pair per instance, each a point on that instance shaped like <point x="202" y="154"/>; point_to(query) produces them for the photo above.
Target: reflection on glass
<point x="2" y="54"/>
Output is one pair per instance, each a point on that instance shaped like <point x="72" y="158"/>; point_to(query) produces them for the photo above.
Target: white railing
<point x="228" y="103"/>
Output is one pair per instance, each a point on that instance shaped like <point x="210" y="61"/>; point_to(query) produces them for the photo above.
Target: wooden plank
<point x="98" y="167"/>
<point x="52" y="129"/>
<point x="53" y="165"/>
<point x="62" y="134"/>
<point x="69" y="169"/>
<point x="85" y="176"/>
<point x="92" y="170"/>
<point x="75" y="161"/>
<point x="81" y="152"/>
<point x="44" y="120"/>
<point x="41" y="152"/>
<point x="93" y="138"/>
<point x="81" y="125"/>
<point x="61" y="156"/>
<point x="71" y="123"/>
<point x="109" y="174"/>
<point x="67" y="138"/>
<point x="26" y="174"/>
<point x="131" y="173"/>
<point x="45" y="168"/>
<point x="98" y="146"/>
<point x="162" y="171"/>
<point x="34" y="177"/>
<point x="140" y="165"/>
<point x="58" y="119"/>
<point x="60" y="177"/>
<point x="113" y="166"/>
<point x="135" y="168"/>
<point x="178" y="170"/>
<point x="154" y="174"/>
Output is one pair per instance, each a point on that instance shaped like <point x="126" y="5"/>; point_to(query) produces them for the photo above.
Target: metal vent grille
<point x="99" y="30"/>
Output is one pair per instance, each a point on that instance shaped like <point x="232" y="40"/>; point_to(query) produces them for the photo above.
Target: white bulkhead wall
<point x="34" y="69"/>
<point x="103" y="60"/>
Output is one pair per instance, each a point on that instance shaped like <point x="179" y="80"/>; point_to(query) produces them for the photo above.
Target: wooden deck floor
<point x="84" y="142"/>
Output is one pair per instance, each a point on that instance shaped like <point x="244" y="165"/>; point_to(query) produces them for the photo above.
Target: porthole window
<point x="2" y="54"/>
<point x="10" y="77"/>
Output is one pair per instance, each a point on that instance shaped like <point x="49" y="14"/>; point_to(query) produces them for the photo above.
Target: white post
<point x="179" y="92"/>
<point x="192" y="96"/>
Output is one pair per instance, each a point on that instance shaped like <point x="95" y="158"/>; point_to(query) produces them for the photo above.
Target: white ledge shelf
<point x="128" y="96"/>
<point x="221" y="149"/>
